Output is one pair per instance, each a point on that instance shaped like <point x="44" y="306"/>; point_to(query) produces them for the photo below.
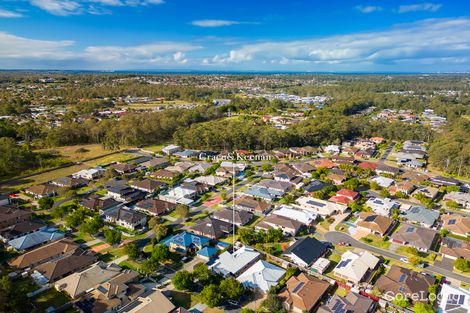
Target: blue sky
<point x="294" y="35"/>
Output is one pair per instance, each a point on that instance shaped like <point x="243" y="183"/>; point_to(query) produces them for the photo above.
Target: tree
<point x="132" y="251"/>
<point x="401" y="301"/>
<point x="161" y="253"/>
<point x="432" y="290"/>
<point x="13" y="297"/>
<point x="272" y="304"/>
<point x="462" y="265"/>
<point x="246" y="310"/>
<point x="150" y="266"/>
<point x="75" y="218"/>
<point x="45" y="203"/>
<point x="211" y="295"/>
<point x="112" y="236"/>
<point x="203" y="274"/>
<point x="92" y="225"/>
<point x="374" y="185"/>
<point x="183" y="280"/>
<point x="452" y="204"/>
<point x="160" y="231"/>
<point x="153" y="222"/>
<point x="231" y="288"/>
<point x="182" y="210"/>
<point x="421" y="307"/>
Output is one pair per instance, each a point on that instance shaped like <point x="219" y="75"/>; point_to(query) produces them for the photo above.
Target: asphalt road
<point x="335" y="237"/>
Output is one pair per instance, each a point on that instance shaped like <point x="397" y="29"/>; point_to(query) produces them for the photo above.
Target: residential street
<point x="336" y="237"/>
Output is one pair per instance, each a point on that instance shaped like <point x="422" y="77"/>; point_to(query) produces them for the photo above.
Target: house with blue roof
<point x="36" y="238"/>
<point x="421" y="215"/>
<point x="207" y="253"/>
<point x="186" y="242"/>
<point x="263" y="192"/>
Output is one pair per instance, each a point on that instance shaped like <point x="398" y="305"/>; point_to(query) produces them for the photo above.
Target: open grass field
<point x="118" y="157"/>
<point x="78" y="152"/>
<point x="41" y="178"/>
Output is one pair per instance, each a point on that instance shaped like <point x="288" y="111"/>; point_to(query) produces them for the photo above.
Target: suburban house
<point x="445" y="181"/>
<point x="171" y="149"/>
<point x="211" y="180"/>
<point x="156" y="163"/>
<point x="43" y="190"/>
<point x="429" y="192"/>
<point x="44" y="254"/>
<point x="400" y="280"/>
<point x="345" y="196"/>
<point x="303" y="168"/>
<point x="212" y="228"/>
<point x="336" y="178"/>
<point x="303" y="293"/>
<point x="462" y="198"/>
<point x="20" y="229"/>
<point x="155" y="207"/>
<point x="288" y="226"/>
<point x="153" y="302"/>
<point x="262" y="276"/>
<point x="305" y="251"/>
<point x="306" y="218"/>
<point x="277" y="185"/>
<point x="200" y="168"/>
<point x="251" y="204"/>
<point x="125" y="217"/>
<point x="164" y="174"/>
<point x="117" y="292"/>
<point x="356" y="267"/>
<point x="123" y="168"/>
<point x="420" y="238"/>
<point x="187" y="154"/>
<point x="454" y="299"/>
<point x="382" y="206"/>
<point x="148" y="185"/>
<point x="375" y="224"/>
<point x="185" y="242"/>
<point x="236" y="217"/>
<point x="125" y="194"/>
<point x="456" y="224"/>
<point x="454" y="248"/>
<point x="97" y="203"/>
<point x="11" y="215"/>
<point x="65" y="265"/>
<point x="383" y="182"/>
<point x="420" y="215"/>
<point x="404" y="187"/>
<point x="263" y="193"/>
<point x="235" y="263"/>
<point x="321" y="207"/>
<point x="414" y="177"/>
<point x="386" y="169"/>
<point x="79" y="283"/>
<point x="90" y="174"/>
<point x="316" y="185"/>
<point x="320" y="265"/>
<point x="351" y="303"/>
<point x="35" y="239"/>
<point x="70" y="182"/>
<point x="180" y="167"/>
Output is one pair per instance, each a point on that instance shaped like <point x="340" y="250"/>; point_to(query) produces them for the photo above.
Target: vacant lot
<point x="79" y="152"/>
<point x="151" y="105"/>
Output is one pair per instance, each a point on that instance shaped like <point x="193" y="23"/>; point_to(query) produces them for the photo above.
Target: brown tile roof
<point x="56" y="269"/>
<point x="280" y="221"/>
<point x="148" y="184"/>
<point x="405" y="281"/>
<point x="12" y="214"/>
<point x="44" y="253"/>
<point x="241" y="217"/>
<point x="164" y="174"/>
<point x="375" y="222"/>
<point x="419" y="237"/>
<point x="155" y="206"/>
<point x="212" y="228"/>
<point x="303" y="292"/>
<point x="455" y="248"/>
<point x="252" y="203"/>
<point x="43" y="189"/>
<point x="456" y="223"/>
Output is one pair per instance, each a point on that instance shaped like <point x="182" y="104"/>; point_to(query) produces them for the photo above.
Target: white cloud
<point x="368" y="8"/>
<point x="429" y="7"/>
<point x="75" y="7"/>
<point x="9" y="14"/>
<point x="15" y="47"/>
<point x="435" y="38"/>
<point x="214" y="23"/>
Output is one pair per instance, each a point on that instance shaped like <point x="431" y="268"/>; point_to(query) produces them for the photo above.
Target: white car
<point x="404" y="260"/>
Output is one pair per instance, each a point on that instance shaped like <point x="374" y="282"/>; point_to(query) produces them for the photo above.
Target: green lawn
<point x="118" y="157"/>
<point x="376" y="241"/>
<point x="181" y="299"/>
<point x="50" y="298"/>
